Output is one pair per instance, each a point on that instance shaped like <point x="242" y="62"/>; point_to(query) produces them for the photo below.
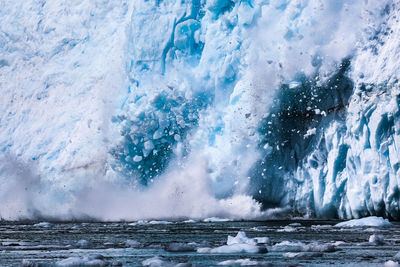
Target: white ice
<point x="367" y="221"/>
<point x="238" y="244"/>
<point x="76" y="78"/>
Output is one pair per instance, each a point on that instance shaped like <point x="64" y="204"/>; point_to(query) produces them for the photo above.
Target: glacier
<point x="152" y="109"/>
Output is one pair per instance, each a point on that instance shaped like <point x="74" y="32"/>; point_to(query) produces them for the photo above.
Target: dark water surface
<point x="47" y="244"/>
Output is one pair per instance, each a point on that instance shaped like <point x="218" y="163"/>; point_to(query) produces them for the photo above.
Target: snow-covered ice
<point x="238" y="244"/>
<point x="367" y="221"/>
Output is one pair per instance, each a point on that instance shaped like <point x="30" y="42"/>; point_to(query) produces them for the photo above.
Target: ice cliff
<point x="164" y="108"/>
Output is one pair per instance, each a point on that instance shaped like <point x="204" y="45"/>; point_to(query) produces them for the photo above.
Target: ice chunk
<point x="310" y="132"/>
<point x="238" y="244"/>
<point x="306" y="255"/>
<point x="159" y="261"/>
<point x="262" y="240"/>
<point x="235" y="248"/>
<point x="288" y="246"/>
<point x="148" y="145"/>
<point x="239" y="262"/>
<point x="367" y="221"/>
<point x="154" y="262"/>
<point x="377" y="239"/>
<point x="132" y="243"/>
<point x="160" y="222"/>
<point x="321" y="227"/>
<point x="137" y="158"/>
<point x="240" y="238"/>
<point x="43" y="224"/>
<point x="391" y="263"/>
<point x="181" y="247"/>
<point x="189" y="221"/>
<point x="287" y="229"/>
<point x="91" y="260"/>
<point x="83" y="243"/>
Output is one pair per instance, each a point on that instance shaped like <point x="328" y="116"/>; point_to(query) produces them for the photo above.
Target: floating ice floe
<point x="189" y="221"/>
<point x="371" y="221"/>
<point x="376" y="239"/>
<point x="181" y="247"/>
<point x="302" y="254"/>
<point x="43" y="224"/>
<point x="240" y="262"/>
<point x="132" y="243"/>
<point x="159" y="261"/>
<point x="320" y="227"/>
<point x="155" y="261"/>
<point x="91" y="260"/>
<point x="288" y="246"/>
<point x="160" y="222"/>
<point x="391" y="263"/>
<point x="83" y="243"/>
<point x="287" y="229"/>
<point x="238" y="244"/>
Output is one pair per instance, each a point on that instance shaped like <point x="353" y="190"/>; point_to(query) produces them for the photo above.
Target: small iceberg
<point x="43" y="224"/>
<point x="287" y="229"/>
<point x="239" y="262"/>
<point x="371" y="221"/>
<point x="132" y="243"/>
<point x="181" y="247"/>
<point x="238" y="244"/>
<point x="391" y="263"/>
<point x="377" y="239"/>
<point x="159" y="261"/>
<point x="91" y="260"/>
<point x="287" y="246"/>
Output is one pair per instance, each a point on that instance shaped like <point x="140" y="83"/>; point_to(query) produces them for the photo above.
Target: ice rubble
<point x="278" y="97"/>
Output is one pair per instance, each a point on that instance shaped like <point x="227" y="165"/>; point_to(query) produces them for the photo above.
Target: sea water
<point x="184" y="243"/>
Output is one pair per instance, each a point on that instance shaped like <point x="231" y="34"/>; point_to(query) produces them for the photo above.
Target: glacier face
<point x="163" y="108"/>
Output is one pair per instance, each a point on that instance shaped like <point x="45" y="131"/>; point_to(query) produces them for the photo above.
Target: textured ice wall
<point x="355" y="170"/>
<point x="267" y="97"/>
<point x="61" y="67"/>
